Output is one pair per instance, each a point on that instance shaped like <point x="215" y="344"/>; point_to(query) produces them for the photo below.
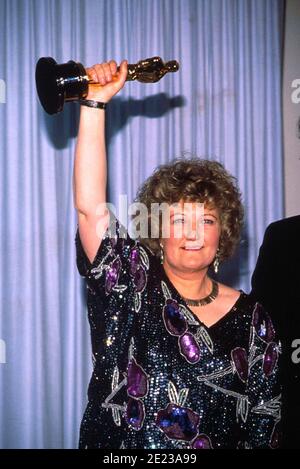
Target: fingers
<point x="113" y="67"/>
<point x="123" y="71"/>
<point x="100" y="73"/>
<point x="106" y="72"/>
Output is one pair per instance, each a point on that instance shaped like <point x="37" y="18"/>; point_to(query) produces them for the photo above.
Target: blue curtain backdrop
<point x="223" y="104"/>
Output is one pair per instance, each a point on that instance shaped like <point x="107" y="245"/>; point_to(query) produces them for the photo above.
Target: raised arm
<point x="90" y="168"/>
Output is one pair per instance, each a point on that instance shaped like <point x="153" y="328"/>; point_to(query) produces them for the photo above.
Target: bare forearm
<point x="90" y="169"/>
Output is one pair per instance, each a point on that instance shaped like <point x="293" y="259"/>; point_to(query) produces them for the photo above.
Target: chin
<point x="192" y="266"/>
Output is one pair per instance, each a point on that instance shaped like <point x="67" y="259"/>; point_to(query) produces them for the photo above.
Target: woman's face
<point x="194" y="237"/>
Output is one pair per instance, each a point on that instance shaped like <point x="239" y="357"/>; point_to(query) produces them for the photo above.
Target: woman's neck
<point x="192" y="285"/>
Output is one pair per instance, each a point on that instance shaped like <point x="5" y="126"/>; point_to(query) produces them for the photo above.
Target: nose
<point x="195" y="231"/>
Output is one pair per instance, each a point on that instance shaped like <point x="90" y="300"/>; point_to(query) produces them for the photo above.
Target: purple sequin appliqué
<point x="179" y="423"/>
<point x="137" y="270"/>
<point x="137" y="388"/>
<point x="176" y="324"/>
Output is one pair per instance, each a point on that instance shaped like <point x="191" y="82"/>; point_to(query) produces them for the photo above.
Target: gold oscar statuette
<point x="58" y="83"/>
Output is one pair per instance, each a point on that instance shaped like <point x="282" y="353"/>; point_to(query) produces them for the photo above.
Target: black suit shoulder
<point x="286" y="227"/>
<point x="277" y="270"/>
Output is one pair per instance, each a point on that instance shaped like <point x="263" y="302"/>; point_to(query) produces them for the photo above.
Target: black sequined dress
<point x="162" y="379"/>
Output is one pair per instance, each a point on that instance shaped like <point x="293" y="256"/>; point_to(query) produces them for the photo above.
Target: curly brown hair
<point x="196" y="180"/>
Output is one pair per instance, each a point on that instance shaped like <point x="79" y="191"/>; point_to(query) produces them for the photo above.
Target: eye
<point x="208" y="221"/>
<point x="178" y="220"/>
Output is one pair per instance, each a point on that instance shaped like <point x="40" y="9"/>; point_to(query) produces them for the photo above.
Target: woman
<point x="180" y="361"/>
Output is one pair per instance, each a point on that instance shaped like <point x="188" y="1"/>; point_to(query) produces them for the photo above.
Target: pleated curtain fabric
<point x="223" y="104"/>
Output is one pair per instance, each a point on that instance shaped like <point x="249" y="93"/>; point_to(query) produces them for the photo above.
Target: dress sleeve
<point x="264" y="384"/>
<point x="110" y="268"/>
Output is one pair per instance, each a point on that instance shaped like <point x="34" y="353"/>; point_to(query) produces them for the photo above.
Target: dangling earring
<point x="161" y="253"/>
<point x="216" y="262"/>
